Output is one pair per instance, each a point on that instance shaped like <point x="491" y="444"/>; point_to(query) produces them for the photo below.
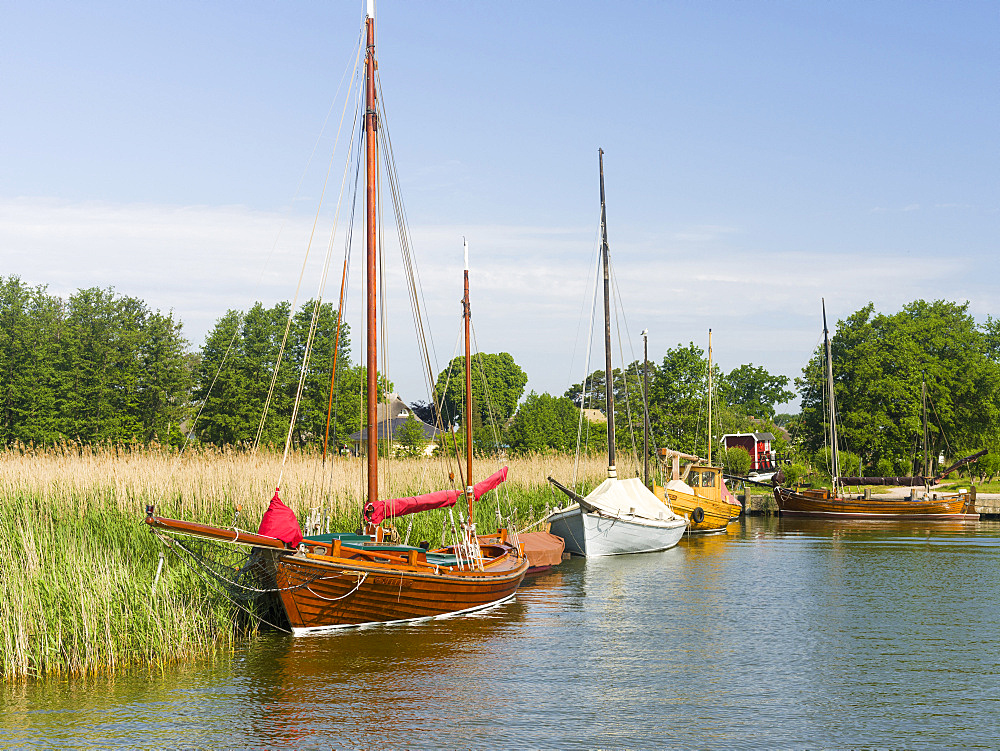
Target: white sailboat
<point x="618" y="516"/>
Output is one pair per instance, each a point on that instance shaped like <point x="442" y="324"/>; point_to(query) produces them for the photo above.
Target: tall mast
<point x="608" y="384"/>
<point x="835" y="454"/>
<point x="467" y="315"/>
<point x="371" y="277"/>
<point x="710" y="396"/>
<point x="645" y="408"/>
<point x="923" y="400"/>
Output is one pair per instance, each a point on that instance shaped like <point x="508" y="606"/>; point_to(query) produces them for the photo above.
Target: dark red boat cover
<point x="379" y="510"/>
<point x="542" y="549"/>
<point x="280" y="521"/>
<point x="489" y="483"/>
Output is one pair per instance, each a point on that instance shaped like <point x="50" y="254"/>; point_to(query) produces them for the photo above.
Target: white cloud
<point x="532" y="287"/>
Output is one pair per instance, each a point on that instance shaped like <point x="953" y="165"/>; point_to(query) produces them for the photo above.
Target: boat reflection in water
<point x="819" y="527"/>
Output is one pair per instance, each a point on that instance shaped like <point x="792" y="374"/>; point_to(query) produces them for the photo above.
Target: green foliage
<point x="237" y="369"/>
<point x="794" y="473"/>
<point x="991" y="334"/>
<point x="628" y="396"/>
<point x="755" y="391"/>
<point x="678" y="404"/>
<point x="850" y="463"/>
<point x="409" y="437"/>
<point x="885" y="468"/>
<point x="878" y="363"/>
<point x="737" y="461"/>
<point x="989" y="466"/>
<point x="497" y="385"/>
<point x="550" y="423"/>
<point x="97" y="368"/>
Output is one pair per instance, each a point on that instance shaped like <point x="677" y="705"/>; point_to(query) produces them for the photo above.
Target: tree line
<point x="103" y="367"/>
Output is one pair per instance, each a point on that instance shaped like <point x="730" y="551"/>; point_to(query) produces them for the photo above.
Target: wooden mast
<point x="923" y="401"/>
<point x="645" y="408"/>
<point x="467" y="315"/>
<point x="371" y="266"/>
<point x="609" y="396"/>
<point x="835" y="454"/>
<point x="710" y="397"/>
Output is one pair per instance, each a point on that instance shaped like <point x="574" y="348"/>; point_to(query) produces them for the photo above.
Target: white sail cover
<point x="680" y="485"/>
<point x="629" y="498"/>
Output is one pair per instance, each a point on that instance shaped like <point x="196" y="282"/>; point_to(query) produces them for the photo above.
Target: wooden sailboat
<point x="699" y="493"/>
<point x="619" y="516"/>
<point x="834" y="503"/>
<point x="342" y="580"/>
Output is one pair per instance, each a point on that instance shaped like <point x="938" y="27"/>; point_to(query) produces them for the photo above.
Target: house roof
<point x="756" y="436"/>
<point x="395" y="407"/>
<point x="389" y="427"/>
<point x="594" y="415"/>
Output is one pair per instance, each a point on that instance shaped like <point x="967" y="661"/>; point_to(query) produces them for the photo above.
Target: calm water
<point x="782" y="634"/>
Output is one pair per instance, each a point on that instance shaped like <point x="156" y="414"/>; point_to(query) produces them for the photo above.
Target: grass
<point x="77" y="563"/>
<point x="992" y="486"/>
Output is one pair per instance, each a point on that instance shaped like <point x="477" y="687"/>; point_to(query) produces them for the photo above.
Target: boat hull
<point x="320" y="595"/>
<point x="821" y="504"/>
<point x="591" y="534"/>
<point x="717" y="514"/>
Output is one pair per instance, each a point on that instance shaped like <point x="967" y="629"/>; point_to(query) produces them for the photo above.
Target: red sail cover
<point x="280" y="521"/>
<point x="379" y="510"/>
<point x="489" y="483"/>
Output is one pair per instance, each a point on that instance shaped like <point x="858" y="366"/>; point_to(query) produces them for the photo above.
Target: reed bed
<point x="77" y="564"/>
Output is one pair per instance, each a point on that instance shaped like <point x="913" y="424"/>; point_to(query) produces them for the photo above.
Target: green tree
<point x="237" y="377"/>
<point x="991" y="333"/>
<point x="551" y="423"/>
<point x="99" y="367"/>
<point x="497" y="385"/>
<point x="755" y="391"/>
<point x="737" y="461"/>
<point x="879" y="363"/>
<point x="677" y="396"/>
<point x="409" y="437"/>
<point x="30" y="324"/>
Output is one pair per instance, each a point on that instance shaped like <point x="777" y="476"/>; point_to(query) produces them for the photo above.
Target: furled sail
<point x="280" y="521"/>
<point x="378" y="510"/>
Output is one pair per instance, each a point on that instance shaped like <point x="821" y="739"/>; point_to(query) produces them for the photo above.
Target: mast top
<point x="465" y="244"/>
<point x="370" y="13"/>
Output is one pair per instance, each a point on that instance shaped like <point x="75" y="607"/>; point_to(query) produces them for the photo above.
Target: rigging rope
<point x="584" y="393"/>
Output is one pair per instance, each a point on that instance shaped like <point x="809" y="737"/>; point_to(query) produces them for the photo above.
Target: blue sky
<point x="759" y="156"/>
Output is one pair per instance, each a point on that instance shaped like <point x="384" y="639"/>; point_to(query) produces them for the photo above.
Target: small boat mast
<point x="834" y="453"/>
<point x="609" y="396"/>
<point x="710" y="397"/>
<point x="467" y="315"/>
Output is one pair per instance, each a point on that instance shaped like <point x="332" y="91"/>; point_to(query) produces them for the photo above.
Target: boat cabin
<point x="762" y="457"/>
<point x="705" y="481"/>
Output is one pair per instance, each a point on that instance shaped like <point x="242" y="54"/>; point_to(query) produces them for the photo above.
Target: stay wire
<point x="274" y="245"/>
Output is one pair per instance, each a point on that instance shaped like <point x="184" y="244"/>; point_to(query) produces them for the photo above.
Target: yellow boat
<point x="699" y="494"/>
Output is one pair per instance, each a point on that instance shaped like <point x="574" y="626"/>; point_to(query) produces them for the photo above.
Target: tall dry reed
<point x="77" y="564"/>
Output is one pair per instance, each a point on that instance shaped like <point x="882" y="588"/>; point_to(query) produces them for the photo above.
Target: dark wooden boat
<point x="927" y="506"/>
<point x="343" y="580"/>
<point x="922" y="504"/>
